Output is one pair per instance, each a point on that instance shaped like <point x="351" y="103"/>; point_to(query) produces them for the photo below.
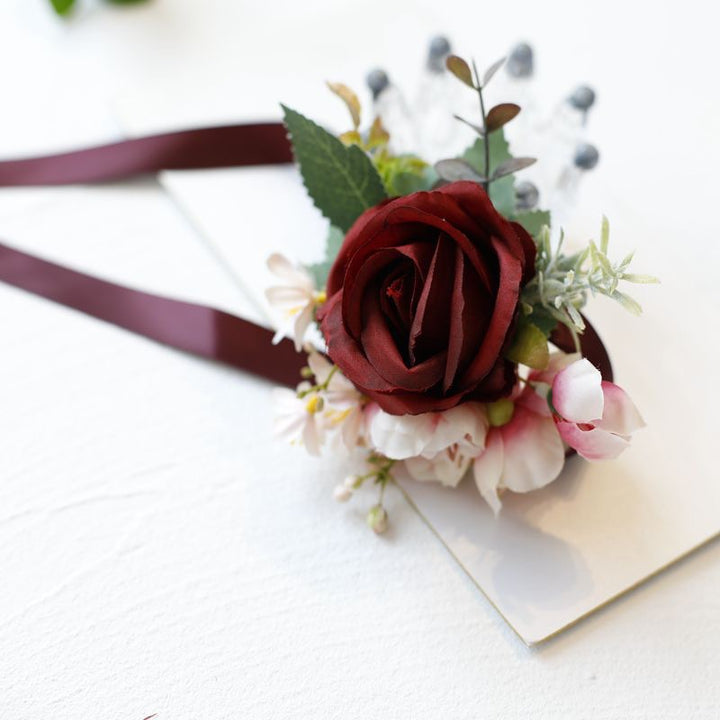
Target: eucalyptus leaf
<point x="511" y="166"/>
<point x="455" y="169"/>
<point x="460" y="69"/>
<point x="487" y="77"/>
<point x="479" y="130"/>
<point x="500" y="115"/>
<point x="342" y="181"/>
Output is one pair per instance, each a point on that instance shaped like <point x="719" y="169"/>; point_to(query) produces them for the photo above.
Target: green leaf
<point x="604" y="235"/>
<point x="543" y="320"/>
<point x="62" y="7"/>
<point x="406" y="183"/>
<point x="529" y="347"/>
<point x="502" y="191"/>
<point x="533" y="220"/>
<point x="321" y="270"/>
<point x="342" y="181"/>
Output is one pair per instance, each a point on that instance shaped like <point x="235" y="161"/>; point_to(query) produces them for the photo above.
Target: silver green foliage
<point x="562" y="283"/>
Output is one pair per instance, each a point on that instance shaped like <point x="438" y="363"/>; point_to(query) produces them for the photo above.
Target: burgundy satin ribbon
<point x="213" y="147"/>
<point x="197" y="329"/>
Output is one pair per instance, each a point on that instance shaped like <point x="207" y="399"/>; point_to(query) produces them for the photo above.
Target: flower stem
<point x="486" y="142"/>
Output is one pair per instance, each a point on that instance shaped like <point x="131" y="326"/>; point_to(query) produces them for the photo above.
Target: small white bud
<point x="351" y="482"/>
<point x="342" y="493"/>
<point x="377" y="519"/>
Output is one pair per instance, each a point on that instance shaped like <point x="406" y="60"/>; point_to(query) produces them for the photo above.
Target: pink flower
<point x="522" y="454"/>
<point x="593" y="416"/>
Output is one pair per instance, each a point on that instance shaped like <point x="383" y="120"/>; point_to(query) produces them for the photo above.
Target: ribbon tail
<point x="197" y="329"/>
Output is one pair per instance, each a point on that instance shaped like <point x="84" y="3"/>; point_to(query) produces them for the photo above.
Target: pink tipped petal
<point x="534" y="453"/>
<point x="462" y="424"/>
<point x="558" y="361"/>
<point x="488" y="468"/>
<point x="620" y="415"/>
<point x="447" y="468"/>
<point x="577" y="392"/>
<point x="535" y="399"/>
<point x="594" y="444"/>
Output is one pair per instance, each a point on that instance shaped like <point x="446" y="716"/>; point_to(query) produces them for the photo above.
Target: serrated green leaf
<point x="406" y="183"/>
<point x="499" y="152"/>
<point x="321" y="270"/>
<point x="62" y="7"/>
<point x="502" y="191"/>
<point x="533" y="220"/>
<point x="342" y="181"/>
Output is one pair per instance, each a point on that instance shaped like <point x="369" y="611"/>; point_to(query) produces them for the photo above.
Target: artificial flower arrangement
<point x="433" y="314"/>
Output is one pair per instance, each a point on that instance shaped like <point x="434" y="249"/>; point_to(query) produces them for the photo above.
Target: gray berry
<point x="438" y="50"/>
<point x="377" y="80"/>
<point x="583" y="98"/>
<point x="520" y="61"/>
<point x="526" y="195"/>
<point x="586" y="156"/>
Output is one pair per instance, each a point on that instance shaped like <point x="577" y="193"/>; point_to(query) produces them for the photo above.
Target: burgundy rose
<point x="422" y="299"/>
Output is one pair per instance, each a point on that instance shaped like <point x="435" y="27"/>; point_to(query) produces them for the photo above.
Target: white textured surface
<point x="160" y="554"/>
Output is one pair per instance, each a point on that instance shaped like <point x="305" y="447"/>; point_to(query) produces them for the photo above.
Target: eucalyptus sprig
<point x="492" y="120"/>
<point x="562" y="283"/>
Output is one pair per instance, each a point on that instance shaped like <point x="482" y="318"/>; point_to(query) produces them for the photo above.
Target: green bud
<point x="377" y="519"/>
<point x="500" y="412"/>
<point x="306" y="373"/>
<point x="529" y="347"/>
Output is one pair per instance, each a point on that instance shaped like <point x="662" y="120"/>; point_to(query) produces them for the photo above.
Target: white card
<point x="555" y="555"/>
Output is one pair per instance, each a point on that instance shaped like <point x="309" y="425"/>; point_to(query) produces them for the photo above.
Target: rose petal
<point x="510" y="272"/>
<point x="593" y="444"/>
<point x="429" y="331"/>
<point x="383" y="354"/>
<point x="534" y="453"/>
<point x="620" y="415"/>
<point x="577" y="393"/>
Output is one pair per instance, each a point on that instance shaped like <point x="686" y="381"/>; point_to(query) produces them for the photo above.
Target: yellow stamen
<point x="314" y="404"/>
